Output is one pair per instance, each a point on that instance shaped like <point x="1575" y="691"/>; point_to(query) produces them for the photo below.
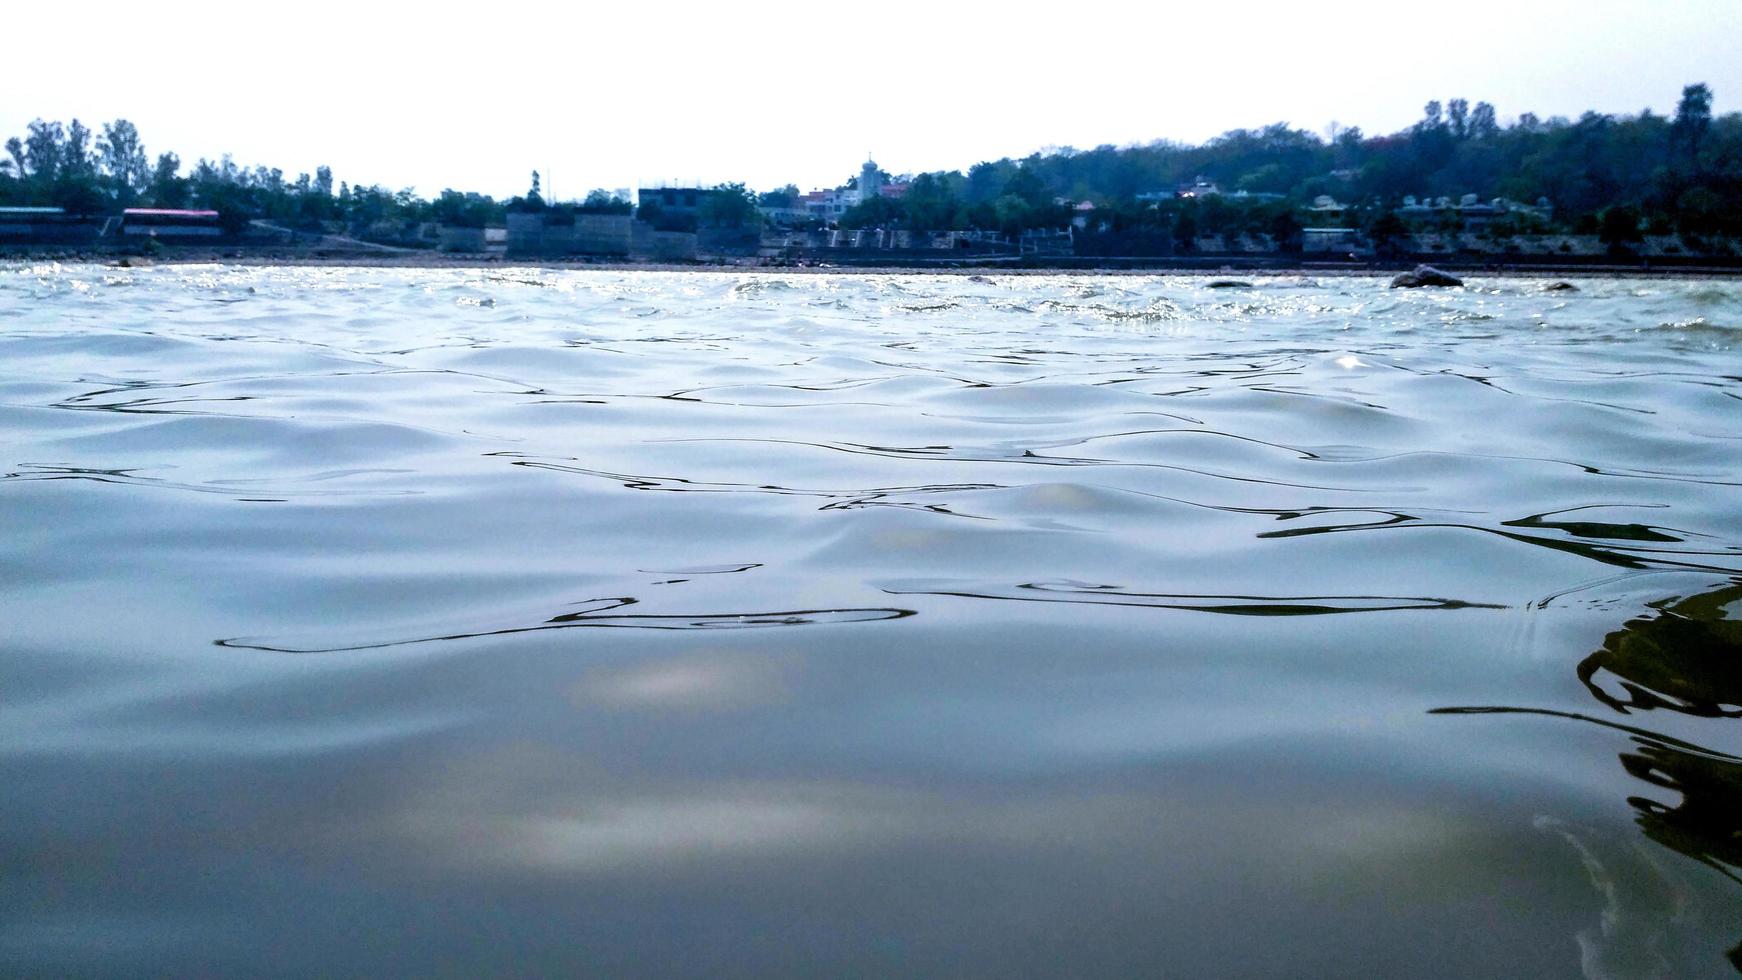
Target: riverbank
<point x="1049" y="265"/>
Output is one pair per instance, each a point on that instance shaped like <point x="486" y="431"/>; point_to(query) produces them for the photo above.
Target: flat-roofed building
<point x="23" y="222"/>
<point x="170" y="223"/>
<point x="1321" y="240"/>
<point x="47" y="225"/>
<point x="673" y="200"/>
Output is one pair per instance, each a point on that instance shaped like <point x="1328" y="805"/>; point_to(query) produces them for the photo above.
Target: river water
<point x="367" y="622"/>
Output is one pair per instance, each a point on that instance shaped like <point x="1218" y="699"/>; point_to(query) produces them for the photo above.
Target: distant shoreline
<point x="1207" y="268"/>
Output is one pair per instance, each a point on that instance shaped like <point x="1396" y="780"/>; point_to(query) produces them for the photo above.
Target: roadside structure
<point x="167" y="223"/>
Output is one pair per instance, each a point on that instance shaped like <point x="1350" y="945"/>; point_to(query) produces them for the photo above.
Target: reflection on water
<point x="1234" y="605"/>
<point x="1687" y="658"/>
<point x="396" y="622"/>
<point x="601" y="613"/>
<point x="1707" y="825"/>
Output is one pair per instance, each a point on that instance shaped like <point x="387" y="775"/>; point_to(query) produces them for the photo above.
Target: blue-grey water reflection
<point x="376" y="622"/>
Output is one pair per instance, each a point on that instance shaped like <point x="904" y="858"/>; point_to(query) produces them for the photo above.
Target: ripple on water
<point x="1126" y="606"/>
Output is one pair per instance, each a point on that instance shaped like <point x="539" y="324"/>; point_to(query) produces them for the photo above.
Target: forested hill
<point x="1682" y="172"/>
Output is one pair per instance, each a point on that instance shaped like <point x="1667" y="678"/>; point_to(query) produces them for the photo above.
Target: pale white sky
<point x="476" y="95"/>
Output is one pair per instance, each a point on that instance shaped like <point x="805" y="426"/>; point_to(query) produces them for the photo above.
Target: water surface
<point x="370" y="622"/>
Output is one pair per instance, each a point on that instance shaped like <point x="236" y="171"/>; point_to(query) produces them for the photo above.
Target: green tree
<point x="785" y="197"/>
<point x="1014" y="214"/>
<point x="601" y="201"/>
<point x="122" y="155"/>
<point x="1268" y="178"/>
<point x="167" y="189"/>
<point x="42" y="151"/>
<point x="1458" y="116"/>
<point x="1388" y="234"/>
<point x="1482" y="122"/>
<point x="1285" y="230"/>
<point x="874" y="212"/>
<point x="15" y="150"/>
<point x="1703" y="211"/>
<point x="1027" y="185"/>
<point x="930" y="204"/>
<point x="64" y="167"/>
<point x="1430" y="116"/>
<point x="77" y="161"/>
<point x="1185" y="230"/>
<point x="728" y="206"/>
<point x="533" y="201"/>
<point x="1693" y="121"/>
<point x="1619" y="227"/>
<point x="464" y="210"/>
<point x="986" y="181"/>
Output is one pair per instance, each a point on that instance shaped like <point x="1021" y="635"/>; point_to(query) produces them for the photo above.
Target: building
<point x="1082" y="215"/>
<point x="170" y="223"/>
<point x="785" y="217"/>
<point x="1340" y="241"/>
<point x="23" y="215"/>
<point x="1254" y="197"/>
<point x="45" y="226"/>
<point x="22" y="222"/>
<point x="674" y="201"/>
<point x="1200" y="187"/>
<point x="870" y="180"/>
<point x="827" y="206"/>
<point x="1468" y="210"/>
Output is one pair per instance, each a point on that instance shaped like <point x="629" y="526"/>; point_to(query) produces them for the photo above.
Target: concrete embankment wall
<point x="461" y="239"/>
<point x="729" y="241"/>
<point x="898" y="257"/>
<point x="603" y="234"/>
<point x="882" y="238"/>
<point x="662" y="246"/>
<point x="887" y="246"/>
<point x="590" y="234"/>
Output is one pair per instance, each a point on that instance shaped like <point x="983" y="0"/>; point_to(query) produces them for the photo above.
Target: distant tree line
<point x="1618" y="176"/>
<point x="70" y="167"/>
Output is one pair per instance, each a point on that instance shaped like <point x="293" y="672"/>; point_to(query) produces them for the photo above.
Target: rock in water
<point x="1424" y="275"/>
<point x="1228" y="284"/>
<point x="1560" y="287"/>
